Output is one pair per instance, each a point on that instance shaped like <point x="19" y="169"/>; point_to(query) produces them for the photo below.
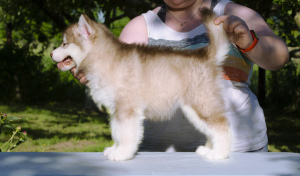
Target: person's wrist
<point x="252" y="44"/>
<point x="251" y="40"/>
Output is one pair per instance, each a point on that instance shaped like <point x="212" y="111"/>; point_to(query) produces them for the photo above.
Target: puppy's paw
<point x="217" y="155"/>
<point x="109" y="150"/>
<point x="212" y="154"/>
<point x="202" y="150"/>
<point x="118" y="154"/>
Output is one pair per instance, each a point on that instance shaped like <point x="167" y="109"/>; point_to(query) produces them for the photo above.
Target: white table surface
<point x="146" y="163"/>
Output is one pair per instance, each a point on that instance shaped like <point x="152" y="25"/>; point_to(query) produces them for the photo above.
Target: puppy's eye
<point x="64" y="44"/>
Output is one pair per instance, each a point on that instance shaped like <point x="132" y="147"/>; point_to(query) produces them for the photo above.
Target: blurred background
<point x="53" y="106"/>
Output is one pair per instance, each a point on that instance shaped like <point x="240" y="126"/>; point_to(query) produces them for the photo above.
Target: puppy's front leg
<point x="127" y="132"/>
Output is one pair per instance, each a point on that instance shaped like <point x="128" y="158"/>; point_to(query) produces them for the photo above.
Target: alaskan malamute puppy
<point x="135" y="82"/>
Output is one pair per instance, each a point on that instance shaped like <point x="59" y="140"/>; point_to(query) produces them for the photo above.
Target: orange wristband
<point x="255" y="40"/>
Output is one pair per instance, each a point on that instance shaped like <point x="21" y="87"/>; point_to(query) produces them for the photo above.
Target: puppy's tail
<point x="218" y="42"/>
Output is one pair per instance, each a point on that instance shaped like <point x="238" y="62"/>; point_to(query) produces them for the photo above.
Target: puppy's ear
<point x="84" y="26"/>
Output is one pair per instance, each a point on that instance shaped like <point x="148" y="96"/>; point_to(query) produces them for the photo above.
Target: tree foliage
<point x="28" y="31"/>
<point x="36" y="26"/>
<point x="280" y="15"/>
<point x="24" y="70"/>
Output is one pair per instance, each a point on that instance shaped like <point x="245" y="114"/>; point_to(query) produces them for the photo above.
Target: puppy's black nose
<point x="51" y="54"/>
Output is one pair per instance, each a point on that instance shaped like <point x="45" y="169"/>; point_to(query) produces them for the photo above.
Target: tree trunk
<point x="9" y="41"/>
<point x="9" y="33"/>
<point x="261" y="86"/>
<point x="294" y="52"/>
<point x="297" y="19"/>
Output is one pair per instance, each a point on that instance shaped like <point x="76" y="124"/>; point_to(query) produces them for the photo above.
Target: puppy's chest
<point x="102" y="94"/>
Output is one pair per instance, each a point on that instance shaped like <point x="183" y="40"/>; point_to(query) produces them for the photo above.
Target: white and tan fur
<point x="135" y="82"/>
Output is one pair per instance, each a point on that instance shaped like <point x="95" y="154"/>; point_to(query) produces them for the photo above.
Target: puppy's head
<point x="77" y="41"/>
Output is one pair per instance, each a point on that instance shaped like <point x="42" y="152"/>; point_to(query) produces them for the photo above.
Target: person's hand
<point x="236" y="29"/>
<point x="80" y="76"/>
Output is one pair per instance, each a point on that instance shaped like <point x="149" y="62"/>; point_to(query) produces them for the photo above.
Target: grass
<point x="61" y="128"/>
<point x="284" y="132"/>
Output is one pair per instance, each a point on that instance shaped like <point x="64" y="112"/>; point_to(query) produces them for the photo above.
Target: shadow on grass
<point x="37" y="133"/>
<point x="284" y="131"/>
<point x="51" y="121"/>
<point x="62" y="111"/>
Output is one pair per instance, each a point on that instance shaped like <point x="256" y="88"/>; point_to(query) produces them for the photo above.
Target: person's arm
<point x="135" y="31"/>
<point x="270" y="52"/>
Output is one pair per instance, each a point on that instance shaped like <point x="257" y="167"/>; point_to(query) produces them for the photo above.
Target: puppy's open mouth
<point x="67" y="61"/>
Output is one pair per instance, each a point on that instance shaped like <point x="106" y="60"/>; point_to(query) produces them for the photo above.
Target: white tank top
<point x="245" y="115"/>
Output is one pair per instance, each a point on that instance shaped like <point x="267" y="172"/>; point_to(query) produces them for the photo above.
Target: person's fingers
<point x="80" y="76"/>
<point x="236" y="29"/>
<point x="83" y="80"/>
<point x="73" y="70"/>
<point x="220" y="19"/>
<point x="232" y="22"/>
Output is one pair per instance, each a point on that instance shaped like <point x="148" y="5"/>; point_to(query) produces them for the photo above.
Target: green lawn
<point x="64" y="128"/>
<point x="283" y="132"/>
<point x="60" y="129"/>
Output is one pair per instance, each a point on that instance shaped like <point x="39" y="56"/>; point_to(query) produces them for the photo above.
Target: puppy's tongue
<point x="65" y="62"/>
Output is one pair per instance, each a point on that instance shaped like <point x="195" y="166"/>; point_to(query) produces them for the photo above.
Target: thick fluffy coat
<point x="135" y="82"/>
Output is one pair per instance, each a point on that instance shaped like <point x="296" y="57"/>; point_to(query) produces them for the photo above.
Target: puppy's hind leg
<point x="216" y="129"/>
<point x="127" y="132"/>
<point x="219" y="138"/>
<point x="204" y="150"/>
